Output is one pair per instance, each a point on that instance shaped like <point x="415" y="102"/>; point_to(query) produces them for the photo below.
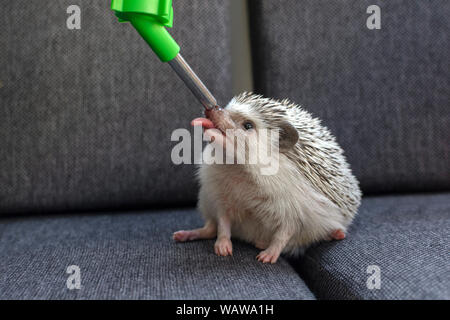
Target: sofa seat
<point x="131" y="255"/>
<point x="407" y="237"/>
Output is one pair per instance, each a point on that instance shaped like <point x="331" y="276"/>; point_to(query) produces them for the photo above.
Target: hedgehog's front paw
<point x="271" y="255"/>
<point x="223" y="247"/>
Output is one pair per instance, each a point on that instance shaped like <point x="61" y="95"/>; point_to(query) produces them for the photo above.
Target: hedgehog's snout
<point x="216" y="115"/>
<point x="211" y="113"/>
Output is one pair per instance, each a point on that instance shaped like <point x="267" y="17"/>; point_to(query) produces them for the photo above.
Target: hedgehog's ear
<point x="288" y="136"/>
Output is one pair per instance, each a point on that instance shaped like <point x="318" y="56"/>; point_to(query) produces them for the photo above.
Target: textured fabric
<point x="384" y="93"/>
<point x="407" y="237"/>
<point x="132" y="256"/>
<point x="87" y="115"/>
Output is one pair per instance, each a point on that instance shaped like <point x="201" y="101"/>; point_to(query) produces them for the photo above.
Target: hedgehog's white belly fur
<point x="259" y="204"/>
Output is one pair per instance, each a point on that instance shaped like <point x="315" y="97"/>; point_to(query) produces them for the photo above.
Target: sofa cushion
<point x="132" y="256"/>
<point x="87" y="115"/>
<point x="384" y="93"/>
<point x="406" y="237"/>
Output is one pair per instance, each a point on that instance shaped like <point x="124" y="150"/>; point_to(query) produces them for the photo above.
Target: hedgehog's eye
<point x="247" y="125"/>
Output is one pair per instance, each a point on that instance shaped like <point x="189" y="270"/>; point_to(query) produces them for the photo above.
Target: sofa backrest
<point x="384" y="93"/>
<point x="86" y="115"/>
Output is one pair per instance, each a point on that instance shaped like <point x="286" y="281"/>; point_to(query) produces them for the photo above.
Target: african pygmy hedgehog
<point x="313" y="196"/>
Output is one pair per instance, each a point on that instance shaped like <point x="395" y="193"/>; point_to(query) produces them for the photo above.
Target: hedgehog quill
<point x="312" y="197"/>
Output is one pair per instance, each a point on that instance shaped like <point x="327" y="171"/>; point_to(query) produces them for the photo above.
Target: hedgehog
<point x="311" y="197"/>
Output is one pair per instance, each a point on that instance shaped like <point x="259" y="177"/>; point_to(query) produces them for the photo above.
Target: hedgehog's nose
<point x="210" y="112"/>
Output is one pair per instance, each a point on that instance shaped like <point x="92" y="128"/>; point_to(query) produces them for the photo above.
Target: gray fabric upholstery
<point x="407" y="237"/>
<point x="384" y="93"/>
<point x="87" y="115"/>
<point x="132" y="256"/>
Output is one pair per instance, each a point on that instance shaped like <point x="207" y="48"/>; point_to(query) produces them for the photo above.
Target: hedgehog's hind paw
<point x="270" y="255"/>
<point x="337" y="235"/>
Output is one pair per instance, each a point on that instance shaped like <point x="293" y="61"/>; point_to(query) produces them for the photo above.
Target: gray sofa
<point x="86" y="177"/>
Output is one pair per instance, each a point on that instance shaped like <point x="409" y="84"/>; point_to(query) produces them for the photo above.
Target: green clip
<point x="150" y="18"/>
